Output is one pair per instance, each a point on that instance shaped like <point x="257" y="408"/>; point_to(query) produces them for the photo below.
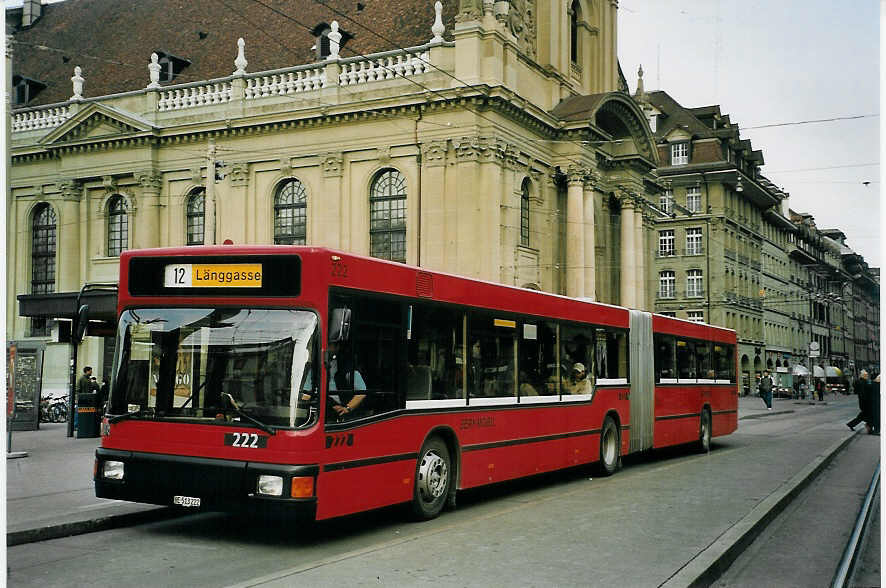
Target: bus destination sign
<point x="215" y="275"/>
<point x="218" y="275"/>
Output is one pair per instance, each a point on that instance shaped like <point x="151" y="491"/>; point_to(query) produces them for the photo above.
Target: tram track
<point x="854" y="547"/>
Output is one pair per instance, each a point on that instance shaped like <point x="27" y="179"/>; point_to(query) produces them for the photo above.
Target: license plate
<point x="189" y="501"/>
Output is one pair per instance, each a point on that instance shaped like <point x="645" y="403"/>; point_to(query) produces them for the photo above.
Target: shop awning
<point x="800" y="370"/>
<point x="832" y="372"/>
<point x="818" y="371"/>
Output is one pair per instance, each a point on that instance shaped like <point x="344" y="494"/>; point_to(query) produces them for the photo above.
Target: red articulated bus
<point x="285" y="379"/>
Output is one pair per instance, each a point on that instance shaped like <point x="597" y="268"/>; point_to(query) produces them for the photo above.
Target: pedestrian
<point x="862" y="390"/>
<point x="85" y="383"/>
<point x="874" y="402"/>
<point x="797" y="388"/>
<point x="765" y="387"/>
<point x="819" y="388"/>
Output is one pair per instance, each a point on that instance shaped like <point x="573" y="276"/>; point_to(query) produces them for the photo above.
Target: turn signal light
<point x="302" y="487"/>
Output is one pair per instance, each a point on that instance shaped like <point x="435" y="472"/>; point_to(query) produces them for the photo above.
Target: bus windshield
<point x="202" y="363"/>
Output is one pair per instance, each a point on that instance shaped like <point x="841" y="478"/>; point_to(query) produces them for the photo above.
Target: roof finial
<point x="438" y="27"/>
<point x="641" y="91"/>
<point x="154" y="69"/>
<point x="241" y="62"/>
<point x="77" y="80"/>
<point x="334" y="41"/>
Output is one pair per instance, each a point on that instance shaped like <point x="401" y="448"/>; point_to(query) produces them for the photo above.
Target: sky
<point x="770" y="62"/>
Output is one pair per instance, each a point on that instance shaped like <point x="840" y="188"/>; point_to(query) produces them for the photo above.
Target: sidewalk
<point x="50" y="493"/>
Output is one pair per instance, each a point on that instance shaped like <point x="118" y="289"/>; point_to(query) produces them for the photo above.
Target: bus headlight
<point x="113" y="470"/>
<point x="270" y="485"/>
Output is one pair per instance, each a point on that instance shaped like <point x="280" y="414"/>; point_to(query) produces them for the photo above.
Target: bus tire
<point x="704" y="431"/>
<point x="610" y="448"/>
<point x="433" y="477"/>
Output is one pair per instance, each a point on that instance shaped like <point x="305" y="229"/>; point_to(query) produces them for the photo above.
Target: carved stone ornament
<point x="239" y="174"/>
<point x="434" y="153"/>
<point x="197" y="175"/>
<point x="286" y="166"/>
<point x="384" y="154"/>
<point x="469" y="10"/>
<point x="150" y="180"/>
<point x="467" y="149"/>
<point x="576" y="174"/>
<point x="70" y="190"/>
<point x="333" y="165"/>
<point x="77" y="81"/>
<point x="521" y="23"/>
<point x="154" y="72"/>
<point x="109" y="183"/>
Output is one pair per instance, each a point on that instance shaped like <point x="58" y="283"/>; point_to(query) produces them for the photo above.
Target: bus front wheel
<point x="610" y="447"/>
<point x="433" y="476"/>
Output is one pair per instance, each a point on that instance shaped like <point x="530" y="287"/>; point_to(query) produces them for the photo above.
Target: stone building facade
<point x="489" y="139"/>
<point x="730" y="251"/>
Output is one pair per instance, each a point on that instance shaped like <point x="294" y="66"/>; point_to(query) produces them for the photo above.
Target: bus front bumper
<point x="203" y="484"/>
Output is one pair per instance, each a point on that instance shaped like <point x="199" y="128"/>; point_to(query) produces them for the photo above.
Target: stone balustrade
<point x="191" y="96"/>
<point x="355" y="71"/>
<point x="46" y="118"/>
<point x="281" y="83"/>
<point x="384" y="66"/>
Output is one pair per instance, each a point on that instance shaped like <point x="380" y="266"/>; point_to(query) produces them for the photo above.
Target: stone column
<point x="628" y="255"/>
<point x="575" y="238"/>
<point x="640" y="252"/>
<point x="68" y="266"/>
<point x="332" y="221"/>
<point x="469" y="237"/>
<point x="490" y="200"/>
<point x="232" y="210"/>
<point x="433" y="217"/>
<point x="590" y="249"/>
<point x="145" y="225"/>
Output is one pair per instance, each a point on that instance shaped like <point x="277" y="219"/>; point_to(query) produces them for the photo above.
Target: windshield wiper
<point x="248" y="417"/>
<point x="132" y="415"/>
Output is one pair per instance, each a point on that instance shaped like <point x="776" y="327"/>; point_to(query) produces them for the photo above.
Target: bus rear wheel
<point x="433" y="477"/>
<point x="704" y="431"/>
<point x="610" y="448"/>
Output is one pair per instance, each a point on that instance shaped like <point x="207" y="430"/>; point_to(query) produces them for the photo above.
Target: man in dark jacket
<point x="766" y="389"/>
<point x="862" y="390"/>
<point x="85" y="383"/>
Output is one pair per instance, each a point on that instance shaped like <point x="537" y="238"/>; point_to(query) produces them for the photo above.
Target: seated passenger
<point x="580" y="383"/>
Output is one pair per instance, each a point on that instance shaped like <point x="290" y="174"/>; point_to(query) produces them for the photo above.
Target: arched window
<point x="387" y="216"/>
<point x="118" y="226"/>
<point x="195" y="216"/>
<point x="290" y="213"/>
<point x="574" y="14"/>
<point x="43" y="250"/>
<point x="524" y="213"/>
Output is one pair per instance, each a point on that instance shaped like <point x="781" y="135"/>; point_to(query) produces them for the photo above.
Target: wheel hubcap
<point x="432" y="476"/>
<point x="609" y="447"/>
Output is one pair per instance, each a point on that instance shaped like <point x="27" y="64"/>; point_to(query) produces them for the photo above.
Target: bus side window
<point x="493" y="347"/>
<point x="434" y="366"/>
<point x="664" y="357"/>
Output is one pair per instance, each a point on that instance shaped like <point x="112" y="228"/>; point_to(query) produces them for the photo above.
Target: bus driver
<point x="339" y="377"/>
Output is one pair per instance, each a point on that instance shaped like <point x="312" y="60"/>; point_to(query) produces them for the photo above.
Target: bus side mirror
<point x="80" y="323"/>
<point x="340" y="325"/>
